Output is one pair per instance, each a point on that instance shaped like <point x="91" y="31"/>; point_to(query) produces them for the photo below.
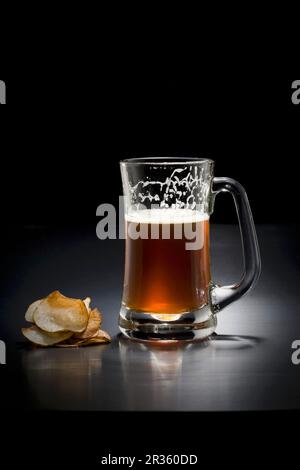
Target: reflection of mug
<point x="168" y="293"/>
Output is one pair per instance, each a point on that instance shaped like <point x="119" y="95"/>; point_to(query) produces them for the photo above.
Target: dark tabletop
<point x="246" y="365"/>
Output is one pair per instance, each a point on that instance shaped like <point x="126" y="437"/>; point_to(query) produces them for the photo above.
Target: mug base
<point x="147" y="326"/>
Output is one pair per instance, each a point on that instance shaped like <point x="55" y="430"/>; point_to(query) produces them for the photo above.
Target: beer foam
<point x="165" y="216"/>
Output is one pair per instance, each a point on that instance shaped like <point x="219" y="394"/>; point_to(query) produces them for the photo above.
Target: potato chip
<point x="100" y="338"/>
<point x="64" y="322"/>
<point x="70" y="344"/>
<point x="58" y="313"/>
<point x="30" y="311"/>
<point x="104" y="334"/>
<point x="87" y="302"/>
<point x="40" y="337"/>
<point x="92" y="327"/>
<point x="91" y="341"/>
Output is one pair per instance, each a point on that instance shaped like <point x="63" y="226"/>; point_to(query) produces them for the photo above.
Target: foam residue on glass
<point x="184" y="188"/>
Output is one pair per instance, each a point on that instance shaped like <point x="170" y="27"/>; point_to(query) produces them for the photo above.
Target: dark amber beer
<point x="166" y="273"/>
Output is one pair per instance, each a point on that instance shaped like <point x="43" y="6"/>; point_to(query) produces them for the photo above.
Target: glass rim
<point x="165" y="161"/>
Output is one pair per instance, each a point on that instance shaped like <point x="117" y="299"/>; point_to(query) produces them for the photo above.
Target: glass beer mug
<point x="168" y="293"/>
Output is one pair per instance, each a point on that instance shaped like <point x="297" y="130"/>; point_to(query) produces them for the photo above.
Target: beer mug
<point x="168" y="294"/>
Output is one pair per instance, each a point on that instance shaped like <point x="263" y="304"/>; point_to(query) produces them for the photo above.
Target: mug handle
<point x="221" y="296"/>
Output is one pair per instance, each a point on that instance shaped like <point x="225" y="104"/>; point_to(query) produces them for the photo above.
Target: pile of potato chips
<point x="64" y="322"/>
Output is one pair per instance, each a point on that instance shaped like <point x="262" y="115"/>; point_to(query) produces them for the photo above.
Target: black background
<point x="64" y="133"/>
